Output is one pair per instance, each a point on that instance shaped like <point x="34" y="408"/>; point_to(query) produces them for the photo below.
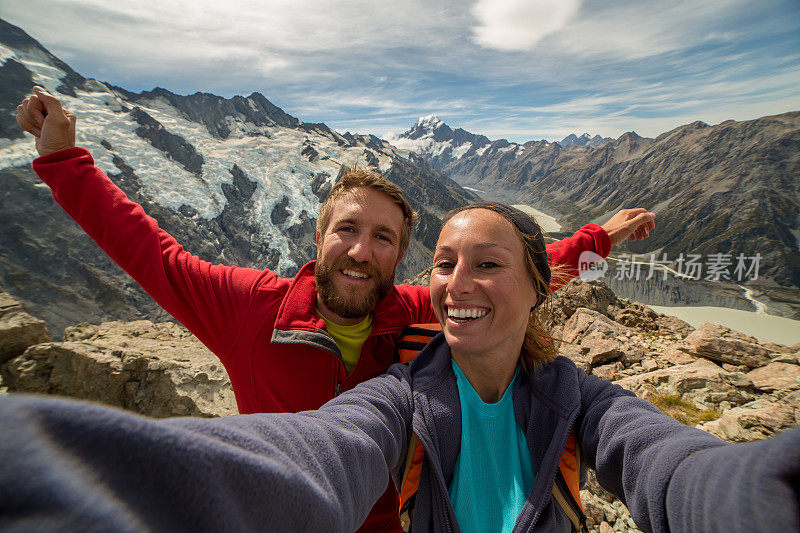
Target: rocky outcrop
<point x="18" y="329"/>
<point x="757" y="419"/>
<point x="719" y="343"/>
<point x="158" y="370"/>
<point x="776" y="376"/>
<point x="174" y="146"/>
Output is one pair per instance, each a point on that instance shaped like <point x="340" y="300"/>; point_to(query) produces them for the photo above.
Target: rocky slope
<point x="236" y="181"/>
<point x="719" y="380"/>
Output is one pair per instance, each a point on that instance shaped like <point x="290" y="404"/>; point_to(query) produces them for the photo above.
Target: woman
<point x="489" y="401"/>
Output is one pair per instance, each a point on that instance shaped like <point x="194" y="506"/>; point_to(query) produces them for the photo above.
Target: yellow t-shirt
<point x="350" y="339"/>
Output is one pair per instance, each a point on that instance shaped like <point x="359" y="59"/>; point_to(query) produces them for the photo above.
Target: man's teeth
<point x="354" y="273"/>
<point x="465" y="313"/>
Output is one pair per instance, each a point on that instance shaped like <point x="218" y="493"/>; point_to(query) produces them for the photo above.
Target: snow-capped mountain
<point x="235" y="180"/>
<point x="583" y="140"/>
<point x="439" y="144"/>
<point x="442" y="145"/>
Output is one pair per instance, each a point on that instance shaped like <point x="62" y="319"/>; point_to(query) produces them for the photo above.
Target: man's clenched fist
<point x="42" y="116"/>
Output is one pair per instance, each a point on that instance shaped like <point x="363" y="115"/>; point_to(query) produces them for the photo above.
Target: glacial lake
<point x="548" y="223"/>
<point x="769" y="328"/>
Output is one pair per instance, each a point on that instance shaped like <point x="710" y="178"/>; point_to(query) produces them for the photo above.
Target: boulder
<point x="776" y="376"/>
<point x="637" y="315"/>
<point x="608" y="372"/>
<point x="598" y="350"/>
<point x="675" y="355"/>
<point x="793" y="359"/>
<point x="158" y="370"/>
<point x="673" y="324"/>
<point x="585" y="321"/>
<point x="700" y="374"/>
<point x="719" y="343"/>
<point x="778" y="348"/>
<point x="18" y="329"/>
<point x="648" y="365"/>
<point x="757" y="419"/>
<point x="577" y="294"/>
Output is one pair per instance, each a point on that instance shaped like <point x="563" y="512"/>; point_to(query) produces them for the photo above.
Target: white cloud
<point x="505" y="68"/>
<point x="633" y="30"/>
<point x="520" y="24"/>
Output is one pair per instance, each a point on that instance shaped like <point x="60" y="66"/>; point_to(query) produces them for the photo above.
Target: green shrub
<point x="685" y="412"/>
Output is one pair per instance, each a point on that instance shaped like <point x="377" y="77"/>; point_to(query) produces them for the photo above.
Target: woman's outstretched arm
<point x="67" y="465"/>
<point x="676" y="478"/>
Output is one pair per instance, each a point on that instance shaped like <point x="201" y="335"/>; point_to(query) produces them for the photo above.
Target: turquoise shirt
<point x="493" y="474"/>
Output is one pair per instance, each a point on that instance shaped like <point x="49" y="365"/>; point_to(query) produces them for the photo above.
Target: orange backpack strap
<point x="566" y="489"/>
<point x="408" y="488"/>
<point x="412" y="341"/>
<point x="414" y="338"/>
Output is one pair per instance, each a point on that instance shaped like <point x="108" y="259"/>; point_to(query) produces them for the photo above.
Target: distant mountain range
<point x="236" y="181"/>
<point x="583" y="140"/>
<point x="442" y="145"/>
<point x="730" y="188"/>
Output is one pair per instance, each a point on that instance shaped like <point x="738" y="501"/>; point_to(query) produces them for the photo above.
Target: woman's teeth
<point x="465" y="313"/>
<point x="354" y="273"/>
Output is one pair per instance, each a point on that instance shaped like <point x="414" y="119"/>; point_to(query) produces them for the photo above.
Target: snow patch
<point x="462" y="149"/>
<point x="429" y="122"/>
<point x="6" y="53"/>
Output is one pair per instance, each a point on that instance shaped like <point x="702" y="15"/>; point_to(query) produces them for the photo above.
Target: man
<point x="287" y="344"/>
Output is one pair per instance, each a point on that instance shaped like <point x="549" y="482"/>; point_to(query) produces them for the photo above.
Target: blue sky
<point x="519" y="69"/>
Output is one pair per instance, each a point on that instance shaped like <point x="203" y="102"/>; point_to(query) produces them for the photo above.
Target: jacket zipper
<point x="442" y="491"/>
<point x="552" y="477"/>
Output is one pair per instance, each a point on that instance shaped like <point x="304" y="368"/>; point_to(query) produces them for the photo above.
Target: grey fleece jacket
<point x="70" y="466"/>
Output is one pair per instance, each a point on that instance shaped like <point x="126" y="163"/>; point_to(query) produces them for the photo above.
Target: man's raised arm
<point x="633" y="224"/>
<point x="206" y="298"/>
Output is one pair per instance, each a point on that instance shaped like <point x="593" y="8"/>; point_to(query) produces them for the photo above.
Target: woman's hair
<point x="537" y="346"/>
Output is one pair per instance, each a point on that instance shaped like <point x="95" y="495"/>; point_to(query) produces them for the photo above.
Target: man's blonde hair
<point x="367" y="178"/>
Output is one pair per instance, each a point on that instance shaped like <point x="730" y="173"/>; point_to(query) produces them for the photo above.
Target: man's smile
<point x="350" y="273"/>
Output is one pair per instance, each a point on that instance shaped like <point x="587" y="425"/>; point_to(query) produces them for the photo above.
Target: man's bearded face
<point x="347" y="302"/>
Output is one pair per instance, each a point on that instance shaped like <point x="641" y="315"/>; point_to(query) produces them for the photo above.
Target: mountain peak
<point x="429" y="122"/>
<point x="583" y="140"/>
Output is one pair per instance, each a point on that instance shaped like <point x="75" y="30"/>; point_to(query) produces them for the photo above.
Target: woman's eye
<point x="488" y="264"/>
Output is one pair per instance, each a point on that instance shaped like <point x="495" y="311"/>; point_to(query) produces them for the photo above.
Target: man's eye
<point x="444" y="265"/>
<point x="383" y="237"/>
<point x="348" y="229"/>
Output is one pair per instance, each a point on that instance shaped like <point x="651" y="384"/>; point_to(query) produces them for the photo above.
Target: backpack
<point x="566" y="488"/>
